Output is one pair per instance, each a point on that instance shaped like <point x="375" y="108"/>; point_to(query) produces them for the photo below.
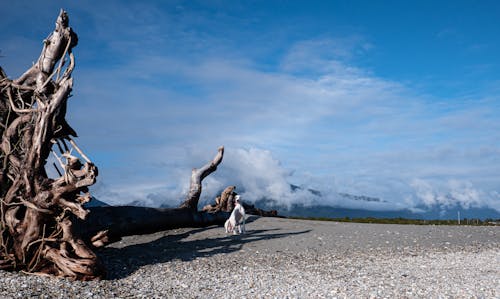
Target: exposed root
<point x="36" y="234"/>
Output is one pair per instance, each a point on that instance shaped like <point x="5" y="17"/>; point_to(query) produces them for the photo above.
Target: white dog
<point x="237" y="218"/>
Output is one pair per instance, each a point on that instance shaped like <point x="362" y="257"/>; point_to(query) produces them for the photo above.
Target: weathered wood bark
<point x="36" y="232"/>
<point x="223" y="202"/>
<point x="226" y="202"/>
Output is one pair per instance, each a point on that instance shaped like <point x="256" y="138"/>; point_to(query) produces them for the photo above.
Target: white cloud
<point x="373" y="135"/>
<point x="451" y="193"/>
<point x="324" y="55"/>
<point x="154" y="95"/>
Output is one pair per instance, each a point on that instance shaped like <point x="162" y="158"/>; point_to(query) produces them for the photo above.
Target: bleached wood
<point x="197" y="176"/>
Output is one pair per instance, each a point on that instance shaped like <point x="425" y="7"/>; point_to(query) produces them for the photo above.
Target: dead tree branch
<point x="197" y="176"/>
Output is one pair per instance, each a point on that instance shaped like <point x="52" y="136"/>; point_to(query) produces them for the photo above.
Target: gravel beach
<point x="285" y="258"/>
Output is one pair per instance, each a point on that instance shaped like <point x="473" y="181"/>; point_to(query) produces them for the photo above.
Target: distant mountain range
<point x="95" y="203"/>
<point x="325" y="211"/>
<point x="317" y="209"/>
<point x="295" y="188"/>
<point x="429" y="214"/>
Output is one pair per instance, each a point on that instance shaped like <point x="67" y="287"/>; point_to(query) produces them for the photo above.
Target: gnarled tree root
<point x="36" y="234"/>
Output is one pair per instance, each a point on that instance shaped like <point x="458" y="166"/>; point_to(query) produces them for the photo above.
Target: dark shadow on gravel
<point x="121" y="262"/>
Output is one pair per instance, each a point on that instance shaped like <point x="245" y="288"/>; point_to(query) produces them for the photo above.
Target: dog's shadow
<point x="121" y="262"/>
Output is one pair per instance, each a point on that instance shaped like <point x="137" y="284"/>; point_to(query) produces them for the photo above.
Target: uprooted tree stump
<point x="36" y="228"/>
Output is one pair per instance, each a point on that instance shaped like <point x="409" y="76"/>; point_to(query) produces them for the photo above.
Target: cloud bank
<point x="260" y="176"/>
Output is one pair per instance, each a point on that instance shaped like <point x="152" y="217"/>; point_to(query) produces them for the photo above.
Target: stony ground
<point x="280" y="258"/>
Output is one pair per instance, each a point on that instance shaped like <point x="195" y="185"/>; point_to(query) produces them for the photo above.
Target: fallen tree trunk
<point x="109" y="224"/>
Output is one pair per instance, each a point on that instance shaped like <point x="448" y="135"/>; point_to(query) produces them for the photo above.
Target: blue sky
<point x="389" y="99"/>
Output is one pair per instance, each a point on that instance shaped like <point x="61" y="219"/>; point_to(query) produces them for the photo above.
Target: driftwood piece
<point x="226" y="202"/>
<point x="227" y="199"/>
<point x="36" y="228"/>
<point x="197" y="176"/>
<point x="59" y="43"/>
<point x="223" y="202"/>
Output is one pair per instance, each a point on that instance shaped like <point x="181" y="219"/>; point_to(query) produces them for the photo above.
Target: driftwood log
<point x="106" y="225"/>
